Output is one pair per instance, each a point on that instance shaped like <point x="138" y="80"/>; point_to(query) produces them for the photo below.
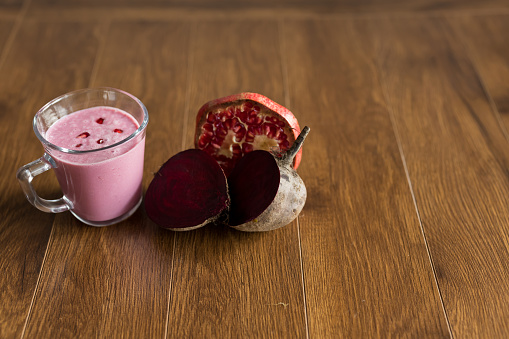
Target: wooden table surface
<point x="405" y="232"/>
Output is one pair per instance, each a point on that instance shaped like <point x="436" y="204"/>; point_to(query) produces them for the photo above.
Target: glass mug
<point x="100" y="186"/>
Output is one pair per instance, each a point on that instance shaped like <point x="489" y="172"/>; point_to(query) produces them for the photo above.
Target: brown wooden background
<point x="406" y="229"/>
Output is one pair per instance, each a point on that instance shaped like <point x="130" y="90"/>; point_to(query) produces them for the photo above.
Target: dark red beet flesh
<point x="253" y="184"/>
<point x="189" y="189"/>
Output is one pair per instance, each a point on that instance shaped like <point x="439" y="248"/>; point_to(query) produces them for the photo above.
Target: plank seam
<point x="32" y="302"/>
<point x="414" y="199"/>
<point x="170" y="289"/>
<point x="190" y="63"/>
<point x="284" y="73"/>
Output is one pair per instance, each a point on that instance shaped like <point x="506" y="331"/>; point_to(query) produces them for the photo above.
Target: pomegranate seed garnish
<point x="100" y="121"/>
<point x="83" y="135"/>
<point x="100" y="141"/>
<point x="117" y="130"/>
<point x="78" y="145"/>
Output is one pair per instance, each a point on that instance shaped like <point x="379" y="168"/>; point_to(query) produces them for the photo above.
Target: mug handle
<point x="25" y="176"/>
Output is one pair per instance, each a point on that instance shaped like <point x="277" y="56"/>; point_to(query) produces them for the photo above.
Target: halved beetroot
<point x="263" y="192"/>
<point x="188" y="191"/>
<point x="230" y="127"/>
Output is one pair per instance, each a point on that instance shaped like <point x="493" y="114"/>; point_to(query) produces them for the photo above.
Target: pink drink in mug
<point x="94" y="140"/>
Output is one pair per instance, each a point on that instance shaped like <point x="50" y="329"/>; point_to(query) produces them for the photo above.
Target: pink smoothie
<point x="103" y="184"/>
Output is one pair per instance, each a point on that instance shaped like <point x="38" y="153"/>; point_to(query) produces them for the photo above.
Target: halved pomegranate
<point x="230" y="127"/>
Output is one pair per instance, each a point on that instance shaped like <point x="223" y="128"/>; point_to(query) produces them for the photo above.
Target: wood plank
<point x="163" y="10"/>
<point x="485" y="38"/>
<point x="366" y="268"/>
<point x="228" y="283"/>
<point x="32" y="73"/>
<point x="457" y="158"/>
<point x="115" y="281"/>
<point x="317" y="5"/>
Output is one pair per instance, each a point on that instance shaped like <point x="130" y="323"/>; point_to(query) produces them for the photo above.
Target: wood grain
<point x="32" y="74"/>
<point x="359" y="224"/>
<point x="228" y="283"/>
<point x="118" y="278"/>
<point x="457" y="158"/>
<point x="487" y="45"/>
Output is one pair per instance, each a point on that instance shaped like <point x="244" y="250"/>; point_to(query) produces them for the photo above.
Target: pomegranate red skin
<point x="284" y="112"/>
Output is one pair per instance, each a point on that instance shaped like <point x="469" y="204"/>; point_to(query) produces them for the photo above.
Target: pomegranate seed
<point x="254" y="119"/>
<point x="248" y="105"/>
<point x="208" y="127"/>
<point x="282" y="134"/>
<point x="270" y="130"/>
<point x="78" y="145"/>
<point x="281" y="123"/>
<point x="116" y="130"/>
<point x="229" y="124"/>
<point x="284" y="145"/>
<point x="239" y="135"/>
<point x="256" y="108"/>
<point x="210" y="149"/>
<point x="221" y="131"/>
<point x="246" y="148"/>
<point x="100" y="141"/>
<point x="249" y="137"/>
<point x="236" y="150"/>
<point x="237" y="127"/>
<point x="202" y="142"/>
<point x="266" y="128"/>
<point x="100" y="120"/>
<point x="241" y="115"/>
<point x="255" y="130"/>
<point x="228" y="113"/>
<point x="216" y="142"/>
<point x="210" y="117"/>
<point x="83" y="135"/>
